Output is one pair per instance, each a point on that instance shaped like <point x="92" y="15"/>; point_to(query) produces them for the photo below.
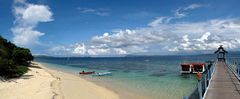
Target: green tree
<point x="21" y="56"/>
<point x="13" y="60"/>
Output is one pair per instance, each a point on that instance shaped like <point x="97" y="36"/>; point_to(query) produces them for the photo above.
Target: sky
<point x="121" y="27"/>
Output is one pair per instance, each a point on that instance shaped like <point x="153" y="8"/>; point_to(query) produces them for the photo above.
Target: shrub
<point x="13" y="60"/>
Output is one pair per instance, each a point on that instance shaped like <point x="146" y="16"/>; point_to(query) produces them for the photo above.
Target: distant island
<point x="14" y="60"/>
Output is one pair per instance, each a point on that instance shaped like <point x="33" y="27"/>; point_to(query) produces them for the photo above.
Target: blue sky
<point x="120" y="27"/>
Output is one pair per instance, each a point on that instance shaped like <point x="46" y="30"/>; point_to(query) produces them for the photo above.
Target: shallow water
<point x="144" y="77"/>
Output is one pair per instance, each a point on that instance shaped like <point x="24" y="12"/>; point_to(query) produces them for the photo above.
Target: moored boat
<point x="103" y="74"/>
<point x="193" y="67"/>
<point x="85" y="73"/>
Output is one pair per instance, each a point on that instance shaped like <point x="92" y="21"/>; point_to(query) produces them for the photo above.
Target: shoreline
<point x="46" y="83"/>
<point x="36" y="83"/>
<point x="120" y="91"/>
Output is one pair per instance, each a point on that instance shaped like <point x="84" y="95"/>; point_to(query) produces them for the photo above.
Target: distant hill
<point x="233" y="53"/>
<point x="43" y="56"/>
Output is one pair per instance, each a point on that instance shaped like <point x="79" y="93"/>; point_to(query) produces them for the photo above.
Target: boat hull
<point x="86" y="73"/>
<point x="103" y="74"/>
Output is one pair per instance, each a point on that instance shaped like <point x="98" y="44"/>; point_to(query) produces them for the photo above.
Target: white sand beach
<point x="52" y="84"/>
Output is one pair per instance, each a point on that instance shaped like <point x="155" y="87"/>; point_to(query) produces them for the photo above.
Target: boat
<point x="86" y="73"/>
<point x="103" y="74"/>
<point x="195" y="67"/>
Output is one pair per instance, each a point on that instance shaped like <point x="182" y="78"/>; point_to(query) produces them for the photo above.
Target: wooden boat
<point x="193" y="67"/>
<point x="86" y="73"/>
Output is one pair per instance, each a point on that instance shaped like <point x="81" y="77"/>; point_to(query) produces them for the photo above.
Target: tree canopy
<point x="13" y="59"/>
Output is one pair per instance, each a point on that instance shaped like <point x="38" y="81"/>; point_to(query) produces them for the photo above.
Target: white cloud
<point x="128" y="38"/>
<point x="60" y="50"/>
<point x="98" y="11"/>
<point x="27" y="17"/>
<point x="160" y="20"/>
<point x="178" y="14"/>
<point x="36" y="13"/>
<point x="171" y="37"/>
<point x="80" y="49"/>
<point x="204" y="37"/>
<point x="86" y="10"/>
<point x="193" y="6"/>
<point x="98" y="51"/>
<point x="185" y="38"/>
<point x="161" y="35"/>
<point x="25" y="36"/>
<point x="102" y="13"/>
<point x="182" y="11"/>
<point x="120" y="51"/>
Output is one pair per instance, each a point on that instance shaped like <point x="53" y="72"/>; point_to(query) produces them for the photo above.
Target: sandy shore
<point x="52" y="84"/>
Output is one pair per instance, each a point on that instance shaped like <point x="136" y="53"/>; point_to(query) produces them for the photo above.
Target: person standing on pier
<point x="199" y="76"/>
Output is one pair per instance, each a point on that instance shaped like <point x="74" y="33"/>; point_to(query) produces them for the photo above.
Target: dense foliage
<point x="13" y="60"/>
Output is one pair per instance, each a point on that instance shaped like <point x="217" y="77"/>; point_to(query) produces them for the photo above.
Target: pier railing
<point x="235" y="68"/>
<point x="202" y="85"/>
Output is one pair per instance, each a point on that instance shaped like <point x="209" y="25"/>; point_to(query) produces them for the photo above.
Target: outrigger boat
<point x="194" y="67"/>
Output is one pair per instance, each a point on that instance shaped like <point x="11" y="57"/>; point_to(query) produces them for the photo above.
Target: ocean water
<point x="155" y="77"/>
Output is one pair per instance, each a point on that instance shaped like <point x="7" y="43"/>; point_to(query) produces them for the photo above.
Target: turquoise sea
<point x="146" y="77"/>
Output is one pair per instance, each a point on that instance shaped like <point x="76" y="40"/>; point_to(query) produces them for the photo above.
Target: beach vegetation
<point x="14" y="60"/>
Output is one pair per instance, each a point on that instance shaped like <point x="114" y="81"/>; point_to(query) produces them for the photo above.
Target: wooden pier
<point x="224" y="84"/>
